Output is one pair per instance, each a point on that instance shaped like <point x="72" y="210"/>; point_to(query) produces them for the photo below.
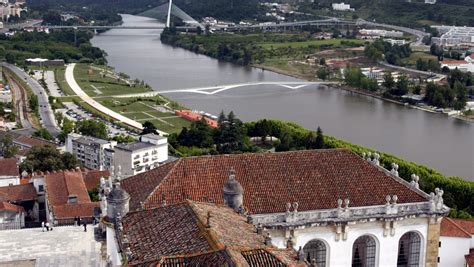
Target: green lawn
<point x="59" y="75"/>
<point x="177" y="125"/>
<point x="308" y="43"/>
<point x="94" y="84"/>
<point x="417" y="55"/>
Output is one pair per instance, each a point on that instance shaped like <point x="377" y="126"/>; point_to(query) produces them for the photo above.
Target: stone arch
<point x="409" y="249"/>
<point x="316" y="250"/>
<point x="364" y="251"/>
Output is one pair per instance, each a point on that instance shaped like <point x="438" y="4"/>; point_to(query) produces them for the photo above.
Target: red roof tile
<point x="183" y="234"/>
<point x="92" y="178"/>
<point x="32" y="141"/>
<point x="59" y="185"/>
<point x="22" y="192"/>
<point x="8" y="167"/>
<point x="450" y="228"/>
<point x="314" y="178"/>
<point x="72" y="210"/>
<point x="453" y="62"/>
<point x="11" y="207"/>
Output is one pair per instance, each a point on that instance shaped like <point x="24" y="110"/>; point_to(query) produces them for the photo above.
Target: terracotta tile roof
<point x="92" y="178"/>
<point x="314" y="178"/>
<point x="453" y="62"/>
<point x="450" y="228"/>
<point x="8" y="167"/>
<point x="260" y="257"/>
<point x="31" y="141"/>
<point x="59" y="185"/>
<point x="22" y="192"/>
<point x="180" y="234"/>
<point x="11" y="207"/>
<point x="210" y="259"/>
<point x="72" y="210"/>
<point x="467" y="225"/>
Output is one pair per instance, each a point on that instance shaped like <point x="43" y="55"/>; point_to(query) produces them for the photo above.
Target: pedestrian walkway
<point x="64" y="246"/>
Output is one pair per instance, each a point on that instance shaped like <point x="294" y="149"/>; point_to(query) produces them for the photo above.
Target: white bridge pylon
<point x="212" y="90"/>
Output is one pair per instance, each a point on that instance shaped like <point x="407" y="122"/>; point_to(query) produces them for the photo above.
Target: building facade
<point x="339" y="208"/>
<point x="89" y="150"/>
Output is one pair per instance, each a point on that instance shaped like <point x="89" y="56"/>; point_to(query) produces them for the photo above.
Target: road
<point x="427" y="73"/>
<point x="71" y="81"/>
<point x="419" y="34"/>
<point x="46" y="113"/>
<point x="20" y="104"/>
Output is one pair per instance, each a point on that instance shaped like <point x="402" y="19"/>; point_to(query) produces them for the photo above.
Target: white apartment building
<point x="89" y="150"/>
<point x="466" y="65"/>
<point x="381" y="33"/>
<point x="454" y="36"/>
<point x="342" y="7"/>
<point x="143" y="155"/>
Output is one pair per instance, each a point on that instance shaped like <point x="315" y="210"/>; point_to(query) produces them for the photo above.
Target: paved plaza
<point x="64" y="246"/>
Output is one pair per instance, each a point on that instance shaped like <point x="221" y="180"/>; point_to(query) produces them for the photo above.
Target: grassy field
<point x="334" y="42"/>
<point x="59" y="75"/>
<point x="419" y="55"/>
<point x="95" y="84"/>
<point x="146" y="110"/>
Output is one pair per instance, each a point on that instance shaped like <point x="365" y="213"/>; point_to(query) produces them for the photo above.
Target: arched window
<point x="364" y="252"/>
<point x="315" y="250"/>
<point x="409" y="250"/>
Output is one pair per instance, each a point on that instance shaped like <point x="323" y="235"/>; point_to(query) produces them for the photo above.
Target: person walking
<point x="47" y="226"/>
<point x="75" y="220"/>
<point x="85" y="226"/>
<point x="42" y="226"/>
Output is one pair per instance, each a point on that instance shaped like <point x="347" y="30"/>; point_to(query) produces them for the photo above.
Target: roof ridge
<point x="176" y="163"/>
<point x="207" y="232"/>
<point x="458" y="226"/>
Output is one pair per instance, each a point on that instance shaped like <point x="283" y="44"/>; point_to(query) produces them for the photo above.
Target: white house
<point x="456" y="246"/>
<point x="9" y="172"/>
<point x="342" y="7"/>
<point x="336" y="208"/>
<point x="466" y="65"/>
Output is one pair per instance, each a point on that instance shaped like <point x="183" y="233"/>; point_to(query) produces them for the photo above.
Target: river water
<point x="434" y="140"/>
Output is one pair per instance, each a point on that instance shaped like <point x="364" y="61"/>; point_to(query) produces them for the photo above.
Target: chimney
<point x="72" y="199"/>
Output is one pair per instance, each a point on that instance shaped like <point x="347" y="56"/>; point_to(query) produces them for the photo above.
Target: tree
<point x="388" y="81"/>
<point x="44" y="134"/>
<point x="67" y="128"/>
<point x="92" y="128"/>
<point x="263" y="129"/>
<point x="401" y="86"/>
<point x="322" y="61"/>
<point x="230" y="135"/>
<point x="33" y="101"/>
<point x="8" y="148"/>
<point x="319" y="139"/>
<point x="323" y="73"/>
<point x="47" y="158"/>
<point x="149" y="127"/>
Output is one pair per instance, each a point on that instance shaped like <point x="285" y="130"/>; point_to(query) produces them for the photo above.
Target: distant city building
<point x="44" y="62"/>
<point x="395" y="41"/>
<point x="454" y="36"/>
<point x="17" y="205"/>
<point x="140" y="156"/>
<point x="197" y="116"/>
<point x="342" y="7"/>
<point x="89" y="150"/>
<point x="432" y="2"/>
<point x="380" y="33"/>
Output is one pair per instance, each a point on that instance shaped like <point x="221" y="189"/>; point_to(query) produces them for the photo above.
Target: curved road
<point x="46" y="113"/>
<point x="71" y="81"/>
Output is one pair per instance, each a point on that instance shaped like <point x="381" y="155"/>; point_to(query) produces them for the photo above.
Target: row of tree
<point x="393" y="54"/>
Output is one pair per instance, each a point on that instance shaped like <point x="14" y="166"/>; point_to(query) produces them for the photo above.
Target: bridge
<point x="212" y="90"/>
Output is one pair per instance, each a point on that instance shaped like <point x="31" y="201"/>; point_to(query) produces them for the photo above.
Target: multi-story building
<point x="466" y="65"/>
<point x="334" y="207"/>
<point x="454" y="36"/>
<point x="342" y="7"/>
<point x="89" y="150"/>
<point x="143" y="155"/>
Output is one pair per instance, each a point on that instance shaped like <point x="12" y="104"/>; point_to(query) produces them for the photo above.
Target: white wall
<point x="340" y="252"/>
<point x="112" y="248"/>
<point x="452" y="251"/>
<point x="9" y="180"/>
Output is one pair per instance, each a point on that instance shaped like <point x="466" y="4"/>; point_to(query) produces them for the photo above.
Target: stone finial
<point x="163" y="203"/>
<point x="387" y="199"/>
<point x="259" y="228"/>
<point x="394" y="170"/>
<point x="288" y="207"/>
<point x="128" y="253"/>
<point x="369" y="156"/>
<point x="118" y="175"/>
<point x="395" y="199"/>
<point x="24" y="174"/>
<point x="376" y="160"/>
<point x="295" y="207"/>
<point x="233" y="192"/>
<point x="346" y="203"/>
<point x="339" y="203"/>
<point x="268" y="239"/>
<point x="364" y="155"/>
<point x="289" y="243"/>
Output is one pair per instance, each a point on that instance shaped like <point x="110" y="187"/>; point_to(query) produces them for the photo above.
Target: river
<point x="434" y="140"/>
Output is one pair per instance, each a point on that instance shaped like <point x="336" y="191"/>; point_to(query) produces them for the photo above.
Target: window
<point x="409" y="250"/>
<point x="40" y="188"/>
<point x="364" y="252"/>
<point x="315" y="250"/>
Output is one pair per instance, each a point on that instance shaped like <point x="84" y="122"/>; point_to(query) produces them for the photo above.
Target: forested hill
<point x="400" y="12"/>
